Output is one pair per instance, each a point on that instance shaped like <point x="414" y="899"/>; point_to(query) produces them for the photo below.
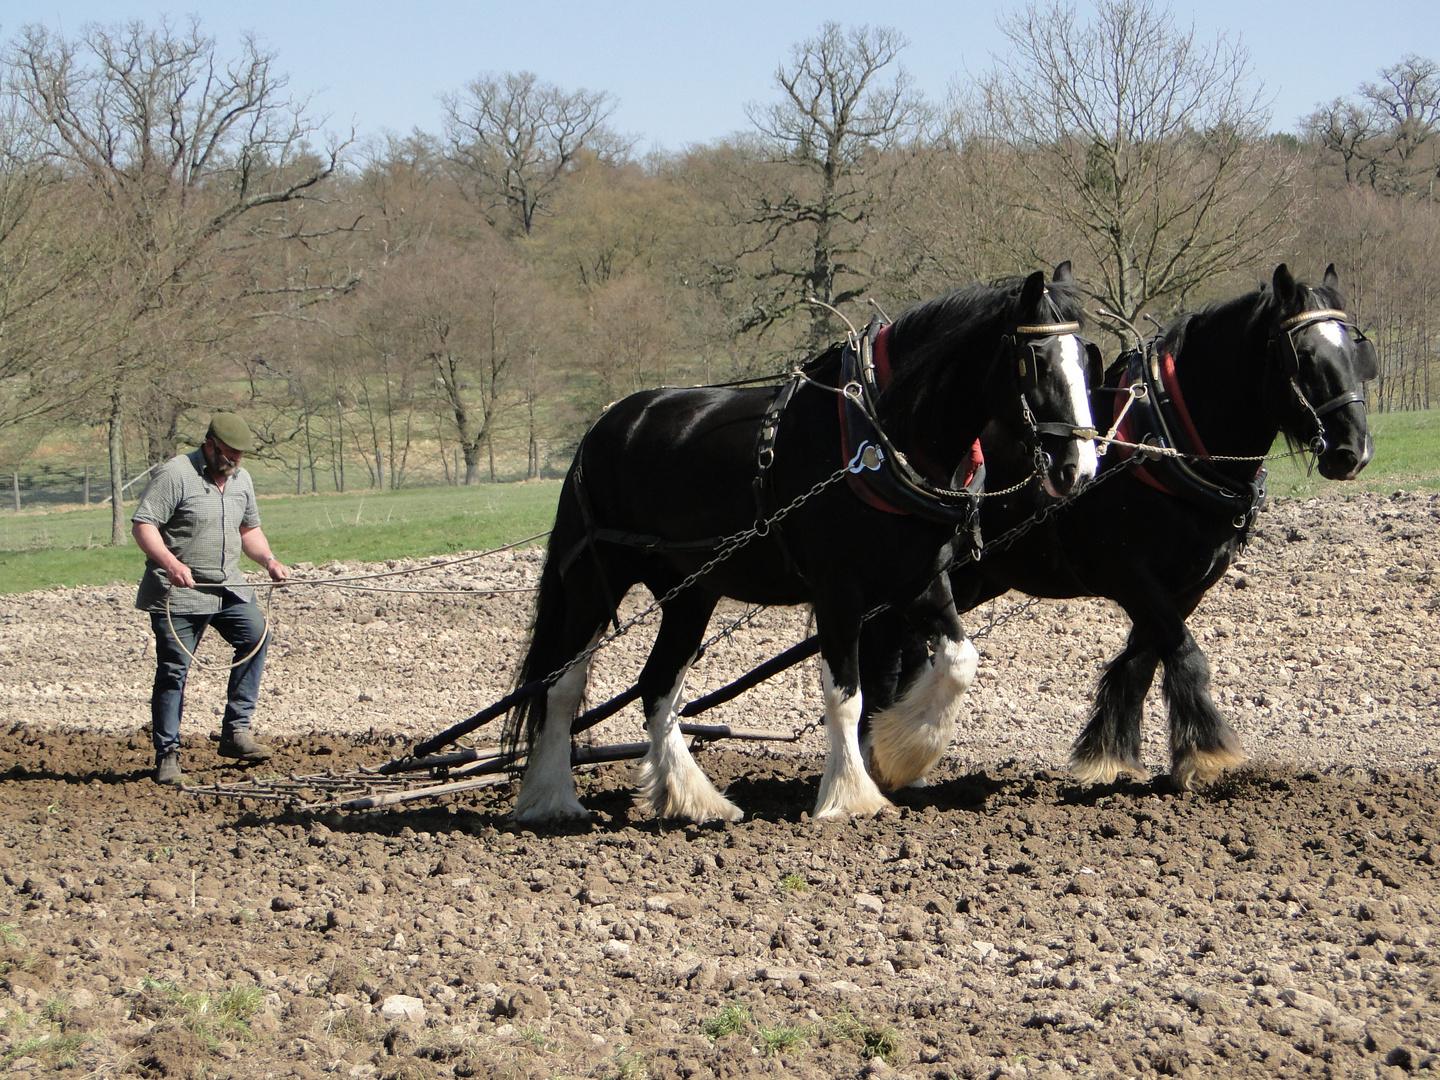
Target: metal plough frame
<point x="398" y="782"/>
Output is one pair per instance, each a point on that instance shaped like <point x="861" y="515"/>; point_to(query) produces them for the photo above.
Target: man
<point x="198" y="514"/>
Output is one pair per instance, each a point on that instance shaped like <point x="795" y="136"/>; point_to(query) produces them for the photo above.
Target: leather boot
<point x="167" y="770"/>
<point x="243" y="746"/>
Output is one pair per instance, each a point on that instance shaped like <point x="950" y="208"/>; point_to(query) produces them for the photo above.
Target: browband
<point x="1049" y="328"/>
<point x="1318" y="315"/>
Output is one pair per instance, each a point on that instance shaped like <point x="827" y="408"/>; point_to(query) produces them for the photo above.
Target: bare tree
<point x="1389" y="135"/>
<point x="809" y="213"/>
<point x="513" y="138"/>
<point x="47" y="260"/>
<point x="188" y="156"/>
<point x="1145" y="144"/>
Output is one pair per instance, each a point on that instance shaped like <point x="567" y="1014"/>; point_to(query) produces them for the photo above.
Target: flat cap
<point x="232" y="431"/>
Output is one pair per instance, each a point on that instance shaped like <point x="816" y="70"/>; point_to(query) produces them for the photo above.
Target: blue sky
<point x="684" y="72"/>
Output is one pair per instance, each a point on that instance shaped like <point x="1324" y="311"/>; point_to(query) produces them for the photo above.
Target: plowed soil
<point x="1003" y="921"/>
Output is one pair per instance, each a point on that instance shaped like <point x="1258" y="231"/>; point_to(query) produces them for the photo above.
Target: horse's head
<point x="1320" y="362"/>
<point x="1047" y="359"/>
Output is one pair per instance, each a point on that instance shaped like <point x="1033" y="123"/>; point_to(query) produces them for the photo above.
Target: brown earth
<point x="1002" y="922"/>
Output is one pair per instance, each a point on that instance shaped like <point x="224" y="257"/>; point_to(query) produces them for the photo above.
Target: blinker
<point x="1367" y="362"/>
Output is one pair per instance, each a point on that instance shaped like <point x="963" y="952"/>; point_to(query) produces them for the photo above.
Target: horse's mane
<point x="937" y="328"/>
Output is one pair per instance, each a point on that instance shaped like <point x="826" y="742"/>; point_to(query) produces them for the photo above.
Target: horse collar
<point x="881" y="475"/>
<point x="1161" y="418"/>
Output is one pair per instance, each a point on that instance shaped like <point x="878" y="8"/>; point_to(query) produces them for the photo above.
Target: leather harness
<point x="1159" y="417"/>
<point x="881" y="475"/>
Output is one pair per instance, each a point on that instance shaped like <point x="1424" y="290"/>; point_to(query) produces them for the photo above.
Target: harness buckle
<point x="868" y="458"/>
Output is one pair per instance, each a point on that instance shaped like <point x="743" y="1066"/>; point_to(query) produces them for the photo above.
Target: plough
<point x="430" y="772"/>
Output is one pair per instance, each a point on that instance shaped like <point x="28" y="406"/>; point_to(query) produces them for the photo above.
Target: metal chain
<point x="1144" y="449"/>
<point x="728" y="546"/>
<point x="993" y="622"/>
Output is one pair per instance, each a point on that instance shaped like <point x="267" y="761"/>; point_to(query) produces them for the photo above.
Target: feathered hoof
<point x="1104" y="769"/>
<point x="1188" y="771"/>
<point x="834" y="808"/>
<point x="672" y="799"/>
<point x="891" y="772"/>
<point x="695" y="811"/>
<point x="555" y="808"/>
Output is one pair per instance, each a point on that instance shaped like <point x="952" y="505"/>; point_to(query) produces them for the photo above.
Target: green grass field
<point x="69" y="547"/>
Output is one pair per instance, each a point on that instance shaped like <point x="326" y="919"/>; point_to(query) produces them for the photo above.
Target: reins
<point x="343" y="583"/>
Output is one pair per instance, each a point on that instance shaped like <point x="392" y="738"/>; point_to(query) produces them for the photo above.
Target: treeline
<point x="176" y="234"/>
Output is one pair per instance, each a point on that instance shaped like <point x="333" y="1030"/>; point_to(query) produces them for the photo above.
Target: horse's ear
<point x="1062" y="272"/>
<point x="1032" y="291"/>
<point x="1332" y="279"/>
<point x="1284" y="285"/>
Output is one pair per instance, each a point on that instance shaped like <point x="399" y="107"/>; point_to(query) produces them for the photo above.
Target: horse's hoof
<point x="674" y="800"/>
<point x="1102" y="769"/>
<point x="549" y="812"/>
<point x="864" y="808"/>
<point x="894" y="773"/>
<point x="727" y="812"/>
<point x="1204" y="766"/>
<point x="721" y="810"/>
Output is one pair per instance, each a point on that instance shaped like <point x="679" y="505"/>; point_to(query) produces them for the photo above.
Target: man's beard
<point x="221" y="466"/>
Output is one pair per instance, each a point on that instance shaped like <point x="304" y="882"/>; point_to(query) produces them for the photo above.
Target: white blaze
<point x="1330" y="331"/>
<point x="1070" y="370"/>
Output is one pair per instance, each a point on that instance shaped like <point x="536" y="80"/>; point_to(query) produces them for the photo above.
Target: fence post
<point x="15" y="484"/>
<point x="87" y="485"/>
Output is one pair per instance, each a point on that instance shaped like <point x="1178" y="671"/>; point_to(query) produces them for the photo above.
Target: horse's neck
<point x="938" y="424"/>
<point x="1220" y="371"/>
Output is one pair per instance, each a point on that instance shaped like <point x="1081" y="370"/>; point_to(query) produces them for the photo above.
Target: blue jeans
<point x="238" y="622"/>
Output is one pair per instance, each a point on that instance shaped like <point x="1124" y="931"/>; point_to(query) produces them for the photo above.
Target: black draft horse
<point x="665" y="477"/>
<point x="1221" y="382"/>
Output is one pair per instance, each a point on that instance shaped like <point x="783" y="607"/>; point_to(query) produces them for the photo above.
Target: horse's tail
<point x="547" y="654"/>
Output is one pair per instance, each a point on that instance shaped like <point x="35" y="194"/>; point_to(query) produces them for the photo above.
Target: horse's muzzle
<point x="1343" y="463"/>
<point x="1071" y="468"/>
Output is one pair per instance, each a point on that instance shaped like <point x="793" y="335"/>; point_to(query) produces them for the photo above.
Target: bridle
<point x="1283" y="345"/>
<point x="1027" y="347"/>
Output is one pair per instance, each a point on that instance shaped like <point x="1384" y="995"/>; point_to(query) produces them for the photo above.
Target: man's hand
<point x="180" y="576"/>
<point x="277" y="570"/>
<point x="148" y="537"/>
